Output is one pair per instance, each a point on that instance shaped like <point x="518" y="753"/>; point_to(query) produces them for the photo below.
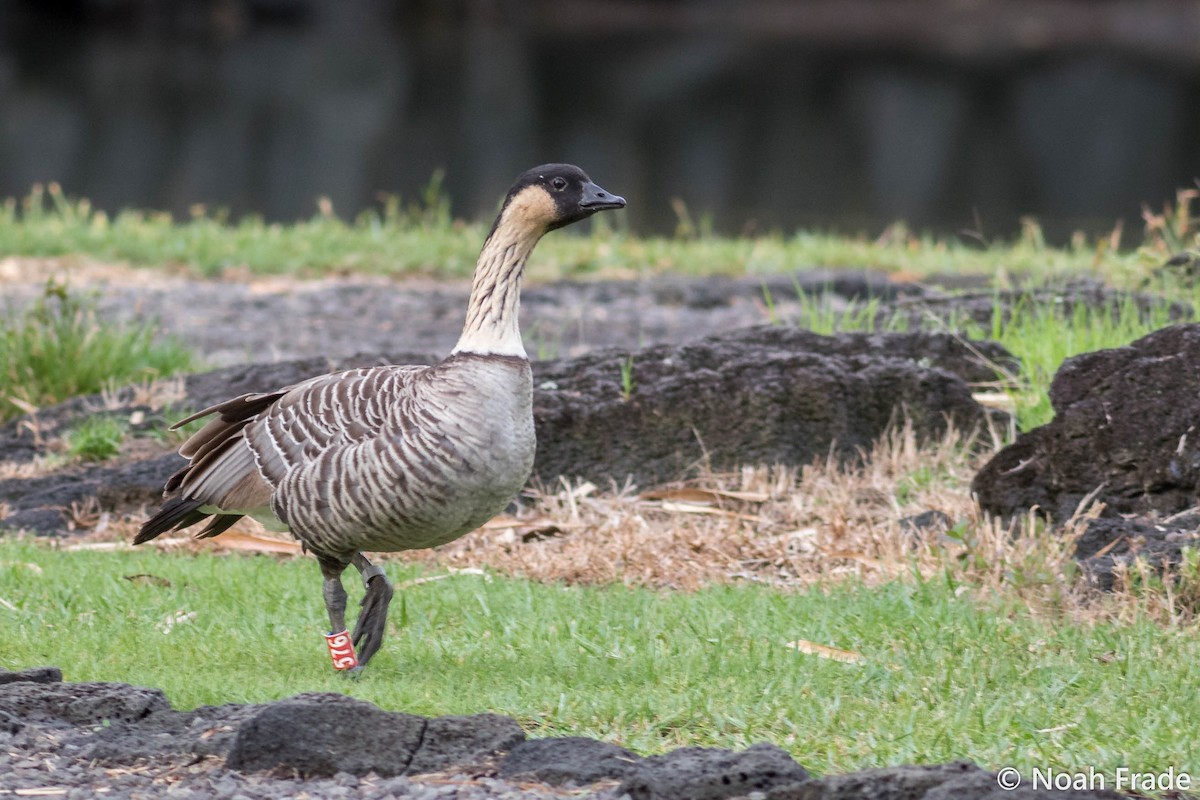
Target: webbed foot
<point x="371" y="626"/>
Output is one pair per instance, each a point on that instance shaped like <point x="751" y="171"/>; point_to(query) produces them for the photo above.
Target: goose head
<point x="552" y="196"/>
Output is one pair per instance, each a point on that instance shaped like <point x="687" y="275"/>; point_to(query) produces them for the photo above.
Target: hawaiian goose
<point x="394" y="457"/>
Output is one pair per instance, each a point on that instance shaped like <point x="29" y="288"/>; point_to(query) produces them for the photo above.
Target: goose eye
<point x="559" y="184"/>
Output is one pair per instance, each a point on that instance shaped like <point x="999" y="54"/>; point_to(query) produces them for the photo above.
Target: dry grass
<point x="782" y="526"/>
<point x="1167" y="594"/>
<point x="27" y="470"/>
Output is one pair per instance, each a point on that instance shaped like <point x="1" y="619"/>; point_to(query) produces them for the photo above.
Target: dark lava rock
<point x="41" y="504"/>
<point x="206" y="389"/>
<point x="32" y="675"/>
<point x="9" y="724"/>
<point x="1109" y="545"/>
<point x="209" y="388"/>
<point x="768" y="394"/>
<point x="848" y="284"/>
<point x="764" y="395"/>
<point x="973" y="361"/>
<point x="568" y="760"/>
<point x="318" y="735"/>
<point x="960" y="780"/>
<point x="45" y="520"/>
<point x="81" y="703"/>
<point x="457" y="741"/>
<point x="204" y="731"/>
<point x="1125" y="426"/>
<point x="699" y="773"/>
<point x="324" y="734"/>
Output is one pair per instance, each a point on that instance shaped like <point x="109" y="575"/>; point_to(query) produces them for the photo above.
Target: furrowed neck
<point x="493" y="326"/>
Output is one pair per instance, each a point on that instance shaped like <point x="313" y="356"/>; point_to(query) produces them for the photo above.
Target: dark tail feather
<point x="218" y="525"/>
<point x="176" y="513"/>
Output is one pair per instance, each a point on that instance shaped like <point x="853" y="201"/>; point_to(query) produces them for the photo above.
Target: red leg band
<point x="341" y="650"/>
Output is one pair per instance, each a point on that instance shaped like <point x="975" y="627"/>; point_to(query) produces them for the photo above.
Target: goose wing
<point x="332" y="412"/>
<point x="255" y="440"/>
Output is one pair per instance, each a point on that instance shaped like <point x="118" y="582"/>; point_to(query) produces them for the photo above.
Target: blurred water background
<point x="757" y="115"/>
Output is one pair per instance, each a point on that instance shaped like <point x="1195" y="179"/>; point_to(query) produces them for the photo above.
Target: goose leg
<point x="334" y="593"/>
<point x="372" y="619"/>
<point x="341" y="650"/>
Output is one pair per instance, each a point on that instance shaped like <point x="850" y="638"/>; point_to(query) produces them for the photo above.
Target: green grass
<point x="944" y="677"/>
<point x="422" y="237"/>
<point x="56" y="350"/>
<point x="1040" y="335"/>
<point x="97" y="438"/>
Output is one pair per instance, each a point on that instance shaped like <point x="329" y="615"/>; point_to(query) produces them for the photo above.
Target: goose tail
<point x="175" y="514"/>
